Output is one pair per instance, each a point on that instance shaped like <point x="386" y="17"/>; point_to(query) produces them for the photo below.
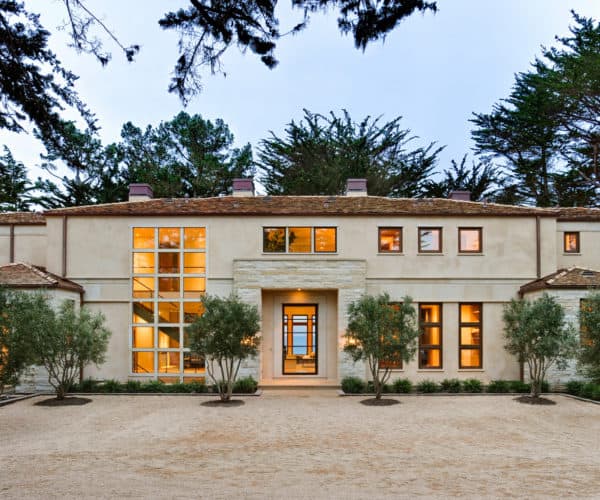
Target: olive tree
<point x="589" y="322"/>
<point x="69" y="340"/>
<point x="538" y="335"/>
<point x="381" y="333"/>
<point x="225" y="334"/>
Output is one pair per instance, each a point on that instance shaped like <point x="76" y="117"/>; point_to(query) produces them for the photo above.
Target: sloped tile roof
<point x="573" y="277"/>
<point x="22" y="218"/>
<point x="21" y="275"/>
<point x="302" y="205"/>
<point x="578" y="214"/>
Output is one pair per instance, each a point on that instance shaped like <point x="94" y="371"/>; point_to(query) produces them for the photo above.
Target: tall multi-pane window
<point x="470" y="332"/>
<point x="430" y="340"/>
<point x="168" y="279"/>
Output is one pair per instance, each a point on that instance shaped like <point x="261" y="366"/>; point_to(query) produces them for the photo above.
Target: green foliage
<point x="403" y="386"/>
<point x="133" y="386"/>
<point x="111" y="386"/>
<point x="15" y="187"/>
<point x="450" y="385"/>
<point x="589" y="322"/>
<point x="590" y="391"/>
<point x="379" y="331"/>
<point x="427" y="386"/>
<point x="21" y="315"/>
<point x="353" y="385"/>
<point x="245" y="385"/>
<point x="320" y="153"/>
<point x="86" y="385"/>
<point x="66" y="340"/>
<point x="154" y="386"/>
<point x="472" y="385"/>
<point x="498" y="386"/>
<point x="225" y="335"/>
<point x="538" y="335"/>
<point x="574" y="387"/>
<point x="519" y="386"/>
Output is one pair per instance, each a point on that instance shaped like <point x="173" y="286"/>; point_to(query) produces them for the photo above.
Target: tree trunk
<point x="60" y="392"/>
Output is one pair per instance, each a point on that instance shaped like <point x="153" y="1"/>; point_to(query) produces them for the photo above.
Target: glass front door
<point x="300" y="340"/>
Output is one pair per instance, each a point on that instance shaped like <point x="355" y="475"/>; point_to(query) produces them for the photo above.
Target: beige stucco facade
<point x="96" y="252"/>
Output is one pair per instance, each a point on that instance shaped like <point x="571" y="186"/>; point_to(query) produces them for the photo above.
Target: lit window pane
<point x="390" y="239"/>
<point x="193" y="287"/>
<point x="143" y="263"/>
<point x="571" y="242"/>
<point x="470" y="313"/>
<point x="325" y="239"/>
<point x="168" y="312"/>
<point x="143" y="362"/>
<point x="168" y="362"/>
<point x="430" y="313"/>
<point x="430" y="358"/>
<point x="168" y="237"/>
<point x="168" y="337"/>
<point x="470" y="240"/>
<point x="194" y="263"/>
<point x="299" y="239"/>
<point x="431" y="335"/>
<point x="274" y="239"/>
<point x="430" y="240"/>
<point x="168" y="288"/>
<point x="143" y="237"/>
<point x="143" y="287"/>
<point x="168" y="262"/>
<point x="470" y="358"/>
<point x="143" y="312"/>
<point x="143" y="336"/>
<point x="191" y="311"/>
<point x="470" y="335"/>
<point x="193" y="363"/>
<point x="194" y="237"/>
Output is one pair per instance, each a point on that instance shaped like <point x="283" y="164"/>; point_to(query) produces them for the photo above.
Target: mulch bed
<point x="379" y="402"/>
<point x="223" y="404"/>
<point x="72" y="401"/>
<point x="535" y="401"/>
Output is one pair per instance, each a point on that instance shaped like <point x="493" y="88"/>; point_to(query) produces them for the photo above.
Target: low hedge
<point x="246" y="385"/>
<point x="588" y="390"/>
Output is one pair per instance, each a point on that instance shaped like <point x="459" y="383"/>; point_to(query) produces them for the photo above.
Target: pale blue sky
<point x="434" y="70"/>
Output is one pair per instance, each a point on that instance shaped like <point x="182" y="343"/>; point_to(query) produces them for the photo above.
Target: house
<point x="302" y="259"/>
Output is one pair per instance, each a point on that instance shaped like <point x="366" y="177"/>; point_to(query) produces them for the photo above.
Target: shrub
<point x="498" y="386"/>
<point x="197" y="386"/>
<point x="519" y="386"/>
<point x="590" y="391"/>
<point x="450" y="385"/>
<point x="86" y="385"/>
<point x="245" y="385"/>
<point x="111" y="386"/>
<point x="353" y="385"/>
<point x="133" y="386"/>
<point x="153" y="386"/>
<point x="574" y="387"/>
<point x="387" y="388"/>
<point x="427" y="386"/>
<point x="472" y="385"/>
<point x="403" y="386"/>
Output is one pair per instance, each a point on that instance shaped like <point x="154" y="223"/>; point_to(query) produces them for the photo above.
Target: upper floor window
<point x="299" y="239"/>
<point x="470" y="239"/>
<point x="571" y="242"/>
<point x="390" y="239"/>
<point x="430" y="240"/>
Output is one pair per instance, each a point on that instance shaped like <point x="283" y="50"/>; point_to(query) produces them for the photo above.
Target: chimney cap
<point x="460" y="195"/>
<point x="140" y="192"/>
<point x="356" y="187"/>
<point x="243" y="187"/>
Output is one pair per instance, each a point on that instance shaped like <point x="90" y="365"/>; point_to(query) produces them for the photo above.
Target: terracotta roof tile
<point x="302" y="205"/>
<point x="22" y="218"/>
<point x="21" y="275"/>
<point x="574" y="277"/>
<point x="578" y="214"/>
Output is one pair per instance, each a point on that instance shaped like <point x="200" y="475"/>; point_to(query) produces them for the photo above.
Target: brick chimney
<point x="356" y="187"/>
<point x="243" y="187"/>
<point x="460" y="195"/>
<point x="140" y="192"/>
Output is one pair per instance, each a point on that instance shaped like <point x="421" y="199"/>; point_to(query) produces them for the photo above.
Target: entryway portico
<point x="303" y="305"/>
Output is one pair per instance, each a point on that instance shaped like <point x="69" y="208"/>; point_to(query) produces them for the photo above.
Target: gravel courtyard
<point x="300" y="444"/>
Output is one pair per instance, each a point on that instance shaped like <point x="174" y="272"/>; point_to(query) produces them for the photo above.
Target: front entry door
<point x="300" y="341"/>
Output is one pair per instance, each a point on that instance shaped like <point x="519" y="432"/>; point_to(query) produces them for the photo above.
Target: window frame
<point x="470" y="347"/>
<point x="480" y="232"/>
<point x="440" y="346"/>
<point x="577" y="239"/>
<point x="314" y="234"/>
<point x="313" y="247"/>
<point x="388" y="228"/>
<point x="432" y="228"/>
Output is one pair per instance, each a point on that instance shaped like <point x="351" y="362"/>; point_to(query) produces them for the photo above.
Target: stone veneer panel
<point x="250" y="277"/>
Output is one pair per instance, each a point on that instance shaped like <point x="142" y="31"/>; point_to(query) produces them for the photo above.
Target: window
<point x="430" y="240"/>
<point x="584" y="336"/>
<point x="470" y="239"/>
<point x="469" y="348"/>
<point x="299" y="239"/>
<point x="430" y="340"/>
<point x="571" y="242"/>
<point x="390" y="239"/>
<point x="168" y="279"/>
